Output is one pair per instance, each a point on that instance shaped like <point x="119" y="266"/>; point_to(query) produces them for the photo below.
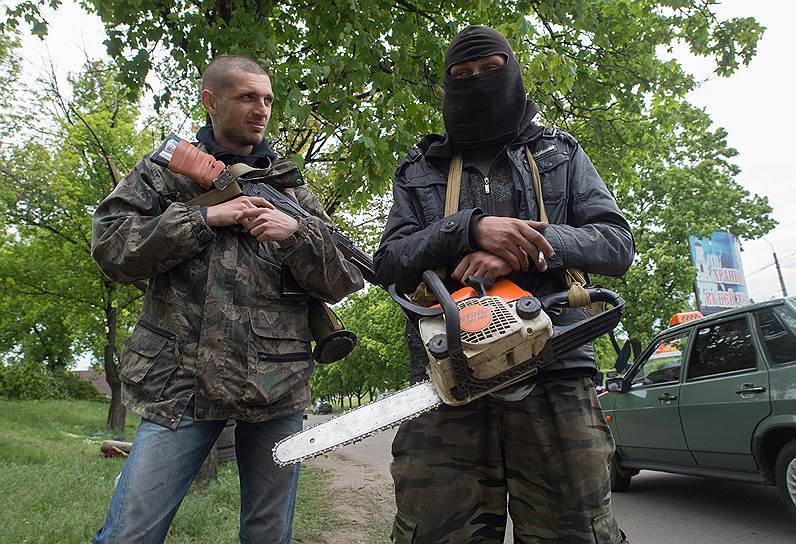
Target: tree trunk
<point x="116" y="412"/>
<point x="208" y="473"/>
<point x="636" y="347"/>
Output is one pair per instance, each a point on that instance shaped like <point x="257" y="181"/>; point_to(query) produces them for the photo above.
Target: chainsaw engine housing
<point x="496" y="336"/>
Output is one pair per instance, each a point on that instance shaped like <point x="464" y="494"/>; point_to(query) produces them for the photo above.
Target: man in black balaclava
<point x="542" y="447"/>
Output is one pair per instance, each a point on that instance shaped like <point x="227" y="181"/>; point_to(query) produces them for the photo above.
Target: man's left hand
<point x="481" y="263"/>
<point x="267" y="223"/>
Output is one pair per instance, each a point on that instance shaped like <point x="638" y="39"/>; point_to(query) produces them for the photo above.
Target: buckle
<point x="223" y="179"/>
<point x="549" y="132"/>
<point x="414" y="154"/>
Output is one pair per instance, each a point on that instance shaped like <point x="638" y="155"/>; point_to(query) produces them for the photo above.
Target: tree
<point x="358" y="82"/>
<point x="56" y="303"/>
<point x="380" y="360"/>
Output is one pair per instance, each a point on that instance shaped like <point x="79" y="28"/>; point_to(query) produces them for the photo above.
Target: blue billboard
<point x="720" y="282"/>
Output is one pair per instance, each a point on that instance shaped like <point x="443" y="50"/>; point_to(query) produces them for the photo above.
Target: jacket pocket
<point x="553" y="174"/>
<point x="429" y="194"/>
<point x="279" y="359"/>
<point x="258" y="273"/>
<point x="606" y="530"/>
<point x="149" y="359"/>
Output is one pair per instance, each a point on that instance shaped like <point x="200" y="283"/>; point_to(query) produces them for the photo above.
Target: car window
<point x="723" y="347"/>
<point x="777" y="326"/>
<point x="664" y="363"/>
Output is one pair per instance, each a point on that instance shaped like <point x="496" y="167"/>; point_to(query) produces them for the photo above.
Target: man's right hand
<point x="224" y="215"/>
<point x="483" y="264"/>
<point x="517" y="241"/>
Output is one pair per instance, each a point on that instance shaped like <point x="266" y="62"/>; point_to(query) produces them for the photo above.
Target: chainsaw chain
<point x="356" y="438"/>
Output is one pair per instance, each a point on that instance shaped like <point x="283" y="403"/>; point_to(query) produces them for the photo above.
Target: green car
<point x="714" y="396"/>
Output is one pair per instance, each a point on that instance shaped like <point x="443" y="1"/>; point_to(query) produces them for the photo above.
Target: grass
<point x="56" y="485"/>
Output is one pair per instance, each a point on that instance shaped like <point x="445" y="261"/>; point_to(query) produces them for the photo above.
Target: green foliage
<point x="55" y="303"/>
<point x="380" y="360"/>
<point x="55" y="479"/>
<point x="31" y="381"/>
<point x="358" y="82"/>
<point x="9" y="71"/>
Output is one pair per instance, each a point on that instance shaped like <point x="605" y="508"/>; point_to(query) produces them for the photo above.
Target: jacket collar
<point x="261" y="155"/>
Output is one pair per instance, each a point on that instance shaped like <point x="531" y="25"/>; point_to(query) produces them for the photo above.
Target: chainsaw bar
<point x="357" y="424"/>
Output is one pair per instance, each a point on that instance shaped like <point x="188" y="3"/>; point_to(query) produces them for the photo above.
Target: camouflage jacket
<point x="214" y="325"/>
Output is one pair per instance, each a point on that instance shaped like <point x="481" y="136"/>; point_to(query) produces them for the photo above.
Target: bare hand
<point x="517" y="241"/>
<point x="223" y="215"/>
<point x="267" y="223"/>
<point x="481" y="263"/>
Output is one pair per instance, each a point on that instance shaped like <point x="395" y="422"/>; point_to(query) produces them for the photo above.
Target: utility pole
<point x="779" y="273"/>
<point x="776" y="265"/>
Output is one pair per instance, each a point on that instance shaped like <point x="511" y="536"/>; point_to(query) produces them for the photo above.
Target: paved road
<point x="658" y="508"/>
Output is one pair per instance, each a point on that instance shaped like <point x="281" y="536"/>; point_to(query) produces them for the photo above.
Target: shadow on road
<point x="663" y="508"/>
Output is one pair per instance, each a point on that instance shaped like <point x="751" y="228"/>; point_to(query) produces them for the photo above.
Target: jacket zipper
<point x="283" y="357"/>
<point x="157" y="330"/>
<point x="486" y="185"/>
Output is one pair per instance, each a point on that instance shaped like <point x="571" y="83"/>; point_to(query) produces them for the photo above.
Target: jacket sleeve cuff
<point x="555" y="239"/>
<point x="474" y="217"/>
<point x="292" y="242"/>
<point x="199" y="225"/>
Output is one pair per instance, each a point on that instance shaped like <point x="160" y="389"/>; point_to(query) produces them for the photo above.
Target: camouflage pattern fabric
<point x="455" y="467"/>
<point x="215" y="326"/>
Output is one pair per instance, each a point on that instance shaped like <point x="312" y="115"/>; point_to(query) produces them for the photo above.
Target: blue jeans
<point x="163" y="463"/>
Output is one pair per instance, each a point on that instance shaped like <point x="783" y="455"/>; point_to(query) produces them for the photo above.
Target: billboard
<point x="720" y="283"/>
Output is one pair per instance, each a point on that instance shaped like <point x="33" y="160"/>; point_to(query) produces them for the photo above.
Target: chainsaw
<point x="480" y="339"/>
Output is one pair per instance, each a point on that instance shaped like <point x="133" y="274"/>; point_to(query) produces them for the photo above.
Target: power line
<point x="785" y="258"/>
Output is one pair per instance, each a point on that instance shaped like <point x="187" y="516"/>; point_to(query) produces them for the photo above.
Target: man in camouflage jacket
<point x="540" y="448"/>
<point x="216" y="338"/>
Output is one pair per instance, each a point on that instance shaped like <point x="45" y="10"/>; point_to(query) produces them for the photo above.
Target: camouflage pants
<point x="546" y="456"/>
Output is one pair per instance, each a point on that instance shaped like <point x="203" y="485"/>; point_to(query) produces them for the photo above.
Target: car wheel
<point x="620" y="478"/>
<point x="785" y="473"/>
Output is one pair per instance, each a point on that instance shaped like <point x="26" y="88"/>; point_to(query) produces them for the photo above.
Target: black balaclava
<point x="486" y="108"/>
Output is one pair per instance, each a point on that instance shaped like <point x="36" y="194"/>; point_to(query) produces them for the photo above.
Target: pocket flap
<point x="427" y="180"/>
<point x="548" y="162"/>
<point x="289" y="323"/>
<point x="142" y="350"/>
<point x="145" y="342"/>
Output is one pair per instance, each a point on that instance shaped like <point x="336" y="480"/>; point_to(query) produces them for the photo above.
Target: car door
<point x="725" y="394"/>
<point x="646" y="414"/>
<point x="776" y="329"/>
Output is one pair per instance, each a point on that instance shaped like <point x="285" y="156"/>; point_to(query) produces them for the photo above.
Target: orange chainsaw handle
<point x="505" y="289"/>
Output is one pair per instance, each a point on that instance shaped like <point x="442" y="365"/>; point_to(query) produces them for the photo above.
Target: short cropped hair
<point x="215" y="77"/>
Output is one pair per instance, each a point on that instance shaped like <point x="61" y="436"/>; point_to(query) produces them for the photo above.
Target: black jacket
<point x="587" y="230"/>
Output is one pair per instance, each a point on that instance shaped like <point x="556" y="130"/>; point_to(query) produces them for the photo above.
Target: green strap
<point x="232" y="190"/>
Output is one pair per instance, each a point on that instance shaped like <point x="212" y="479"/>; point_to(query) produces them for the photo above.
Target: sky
<point x="755" y="105"/>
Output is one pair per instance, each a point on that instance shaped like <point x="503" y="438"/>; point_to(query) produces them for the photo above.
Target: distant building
<point x="97" y="379"/>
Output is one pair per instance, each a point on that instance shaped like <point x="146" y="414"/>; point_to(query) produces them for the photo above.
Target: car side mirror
<point x="614" y="385"/>
<point x="622" y="359"/>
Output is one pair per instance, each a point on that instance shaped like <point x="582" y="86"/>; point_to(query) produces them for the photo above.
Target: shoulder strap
<point x="231" y="190"/>
<point x="454" y="184"/>
<point x="574" y="279"/>
<point x="537" y="185"/>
